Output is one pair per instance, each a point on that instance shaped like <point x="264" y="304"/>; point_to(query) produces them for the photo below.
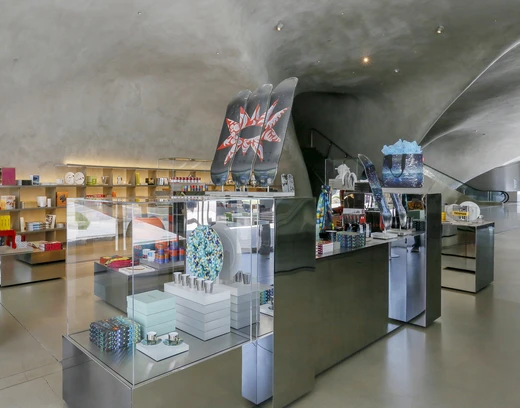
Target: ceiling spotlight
<point x="439" y="30"/>
<point x="366" y="60"/>
<point x="139" y="13"/>
<point x="279" y="26"/>
<point x="218" y="53"/>
<point x="319" y="61"/>
<point x="396" y="70"/>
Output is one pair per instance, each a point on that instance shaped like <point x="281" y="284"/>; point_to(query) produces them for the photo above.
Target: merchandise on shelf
<point x="348" y="239"/>
<point x="115" y="334"/>
<point x="8" y="176"/>
<point x="7" y="202"/>
<point x="117" y="261"/>
<point x="266" y="296"/>
<point x="5" y="222"/>
<point x="49" y="246"/>
<point x="323" y="247"/>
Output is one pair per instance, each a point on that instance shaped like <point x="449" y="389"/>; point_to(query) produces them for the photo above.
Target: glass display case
<point x="157" y="286"/>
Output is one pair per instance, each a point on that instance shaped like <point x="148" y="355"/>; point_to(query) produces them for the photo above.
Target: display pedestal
<point x="162" y="351"/>
<point x="203" y="315"/>
<point x="242" y="300"/>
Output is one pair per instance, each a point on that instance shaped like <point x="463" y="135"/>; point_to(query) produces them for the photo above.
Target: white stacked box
<point x="153" y="310"/>
<point x="203" y="315"/>
<point x="244" y="304"/>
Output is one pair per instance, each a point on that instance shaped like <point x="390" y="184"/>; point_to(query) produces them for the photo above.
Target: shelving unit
<point x="28" y="194"/>
<point x="127" y="186"/>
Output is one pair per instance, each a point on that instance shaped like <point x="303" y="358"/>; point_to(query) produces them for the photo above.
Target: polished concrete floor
<point x="469" y="358"/>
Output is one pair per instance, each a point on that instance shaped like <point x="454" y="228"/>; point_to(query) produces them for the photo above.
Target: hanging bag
<point x="403" y="170"/>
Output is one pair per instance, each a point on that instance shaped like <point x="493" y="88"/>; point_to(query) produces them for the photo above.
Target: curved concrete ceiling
<point x="127" y="82"/>
<point x="480" y="130"/>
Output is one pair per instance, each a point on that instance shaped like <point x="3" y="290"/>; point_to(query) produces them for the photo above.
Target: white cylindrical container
<point x="49" y="202"/>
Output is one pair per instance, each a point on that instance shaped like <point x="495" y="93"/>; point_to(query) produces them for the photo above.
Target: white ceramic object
<point x="232" y="251"/>
<point x="69" y="177"/>
<point x="473" y="210"/>
<point x="348" y="179"/>
<point x="41" y="201"/>
<point x="79" y="178"/>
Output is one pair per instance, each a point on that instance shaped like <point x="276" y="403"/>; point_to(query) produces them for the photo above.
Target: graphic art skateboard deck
<point x="251" y="125"/>
<point x="227" y="143"/>
<point x="273" y="134"/>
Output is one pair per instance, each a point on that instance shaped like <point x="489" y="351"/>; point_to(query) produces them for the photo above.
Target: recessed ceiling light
<point x="319" y="61"/>
<point x="366" y="60"/>
<point x="397" y="70"/>
<point x="439" y="30"/>
<point x="139" y="13"/>
<point x="279" y="26"/>
<point x="218" y="53"/>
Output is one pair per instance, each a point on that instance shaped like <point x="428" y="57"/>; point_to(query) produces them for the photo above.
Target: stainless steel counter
<point x="467" y="255"/>
<point x="362" y="294"/>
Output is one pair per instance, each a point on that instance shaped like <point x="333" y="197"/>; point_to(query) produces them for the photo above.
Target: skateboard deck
<point x="227" y="143"/>
<point x="273" y="134"/>
<point x="251" y="125"/>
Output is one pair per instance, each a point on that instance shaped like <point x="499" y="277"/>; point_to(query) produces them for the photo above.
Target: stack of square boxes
<point x="154" y="311"/>
<point x="203" y="315"/>
<point x="242" y="301"/>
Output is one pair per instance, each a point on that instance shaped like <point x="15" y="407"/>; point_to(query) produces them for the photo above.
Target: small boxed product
<point x="49" y="246"/>
<point x="61" y="198"/>
<point x="8" y="176"/>
<point x="115" y="334"/>
<point x="7" y="202"/>
<point x="324" y="247"/>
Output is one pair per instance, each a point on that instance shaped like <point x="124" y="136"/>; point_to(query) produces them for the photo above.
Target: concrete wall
<point x="124" y="83"/>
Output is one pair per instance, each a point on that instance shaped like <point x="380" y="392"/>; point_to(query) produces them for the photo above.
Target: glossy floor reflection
<point x="469" y="358"/>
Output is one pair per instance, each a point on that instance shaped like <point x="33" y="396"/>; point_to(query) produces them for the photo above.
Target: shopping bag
<point x="403" y="170"/>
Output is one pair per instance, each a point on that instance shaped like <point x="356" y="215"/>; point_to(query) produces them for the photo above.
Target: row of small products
<point x="185" y="180"/>
<point x="194" y="188"/>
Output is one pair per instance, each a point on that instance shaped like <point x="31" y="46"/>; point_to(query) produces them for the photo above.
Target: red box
<point x="8" y="176"/>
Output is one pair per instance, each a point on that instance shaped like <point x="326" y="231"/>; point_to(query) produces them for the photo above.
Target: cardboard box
<point x="61" y="198"/>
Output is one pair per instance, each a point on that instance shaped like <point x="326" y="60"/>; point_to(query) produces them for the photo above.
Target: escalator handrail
<point x="505" y="194"/>
<point x="332" y="143"/>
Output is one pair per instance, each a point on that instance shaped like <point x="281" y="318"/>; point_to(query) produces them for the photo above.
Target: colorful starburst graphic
<point x="236" y="143"/>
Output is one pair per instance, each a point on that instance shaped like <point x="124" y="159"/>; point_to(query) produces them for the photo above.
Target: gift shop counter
<point x="364" y="293"/>
<point x="224" y="326"/>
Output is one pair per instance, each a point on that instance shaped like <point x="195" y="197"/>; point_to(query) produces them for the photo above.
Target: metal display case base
<point x="214" y="382"/>
<point x="15" y="272"/>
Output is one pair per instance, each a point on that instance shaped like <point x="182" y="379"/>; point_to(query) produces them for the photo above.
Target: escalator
<point x="480" y="196"/>
<point x="322" y="155"/>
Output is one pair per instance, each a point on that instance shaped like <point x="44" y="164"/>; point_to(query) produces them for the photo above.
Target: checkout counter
<point x="362" y="294"/>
